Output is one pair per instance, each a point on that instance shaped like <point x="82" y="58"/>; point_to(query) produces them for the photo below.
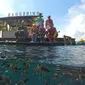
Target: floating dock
<point x="13" y="41"/>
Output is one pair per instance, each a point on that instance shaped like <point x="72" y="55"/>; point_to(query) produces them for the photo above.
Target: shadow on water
<point x="22" y="65"/>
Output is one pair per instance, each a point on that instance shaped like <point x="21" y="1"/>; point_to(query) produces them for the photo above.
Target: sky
<point x="68" y="15"/>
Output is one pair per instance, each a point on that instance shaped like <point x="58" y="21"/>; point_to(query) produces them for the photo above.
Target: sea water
<point x="42" y="65"/>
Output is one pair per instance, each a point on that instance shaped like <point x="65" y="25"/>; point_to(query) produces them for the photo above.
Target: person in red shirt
<point x="50" y="34"/>
<point x="49" y="22"/>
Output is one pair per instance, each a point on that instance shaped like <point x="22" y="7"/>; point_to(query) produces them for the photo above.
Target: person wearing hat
<point x="40" y="21"/>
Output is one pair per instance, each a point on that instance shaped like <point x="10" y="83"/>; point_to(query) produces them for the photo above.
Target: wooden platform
<point x="13" y="41"/>
<point x="32" y="43"/>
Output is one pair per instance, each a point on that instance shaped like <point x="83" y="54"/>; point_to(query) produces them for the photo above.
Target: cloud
<point x="82" y="0"/>
<point x="12" y="6"/>
<point x="76" y="21"/>
<point x="6" y="7"/>
<point x="27" y="6"/>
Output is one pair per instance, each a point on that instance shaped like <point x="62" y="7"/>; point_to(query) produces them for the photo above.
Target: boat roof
<point x="17" y="18"/>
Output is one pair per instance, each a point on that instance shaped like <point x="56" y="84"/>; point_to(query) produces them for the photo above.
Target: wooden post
<point x="16" y="24"/>
<point x="2" y="28"/>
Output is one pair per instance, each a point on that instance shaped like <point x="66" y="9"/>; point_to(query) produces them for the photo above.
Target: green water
<point x="29" y="76"/>
<point x="31" y="67"/>
<point x="32" y="75"/>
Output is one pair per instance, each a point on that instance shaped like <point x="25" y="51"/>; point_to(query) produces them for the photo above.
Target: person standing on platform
<point x="40" y="26"/>
<point x="48" y="26"/>
<point x="49" y="23"/>
<point x="40" y="22"/>
<point x="34" y="37"/>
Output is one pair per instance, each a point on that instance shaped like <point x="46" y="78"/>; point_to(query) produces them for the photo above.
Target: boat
<point x="80" y="42"/>
<point x="9" y="27"/>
